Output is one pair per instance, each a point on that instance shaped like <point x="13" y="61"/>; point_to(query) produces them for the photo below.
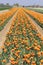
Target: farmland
<point x="1" y="8"/>
<point x="40" y="10"/>
<point x="4" y="6"/>
<point x="23" y="32"/>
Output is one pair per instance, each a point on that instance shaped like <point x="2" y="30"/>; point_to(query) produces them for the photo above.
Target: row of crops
<point x="39" y="10"/>
<point x="37" y="17"/>
<point x="23" y="45"/>
<point x="4" y="8"/>
<point x="6" y="16"/>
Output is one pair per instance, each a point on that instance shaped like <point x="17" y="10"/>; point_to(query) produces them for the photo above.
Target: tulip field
<point x="23" y="44"/>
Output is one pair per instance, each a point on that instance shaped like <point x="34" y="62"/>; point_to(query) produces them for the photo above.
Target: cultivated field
<point x="21" y="37"/>
<point x="40" y="10"/>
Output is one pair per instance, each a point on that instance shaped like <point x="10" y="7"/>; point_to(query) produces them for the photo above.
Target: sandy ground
<point x="2" y="11"/>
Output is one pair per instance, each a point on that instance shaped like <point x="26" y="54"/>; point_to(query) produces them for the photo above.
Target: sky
<point x="23" y="2"/>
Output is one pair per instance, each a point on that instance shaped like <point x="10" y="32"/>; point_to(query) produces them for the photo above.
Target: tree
<point x="7" y="4"/>
<point x="16" y="4"/>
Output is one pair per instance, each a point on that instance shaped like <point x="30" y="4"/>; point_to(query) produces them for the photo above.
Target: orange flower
<point x="39" y="54"/>
<point x="42" y="38"/>
<point x="28" y="61"/>
<point x="12" y="59"/>
<point x="18" y="51"/>
<point x="36" y="48"/>
<point x="35" y="44"/>
<point x="33" y="63"/>
<point x="28" y="48"/>
<point x="42" y="53"/>
<point x="12" y="50"/>
<point x="3" y="47"/>
<point x="32" y="54"/>
<point x="4" y="61"/>
<point x="5" y="50"/>
<point x="41" y="61"/>
<point x="14" y="62"/>
<point x="27" y="55"/>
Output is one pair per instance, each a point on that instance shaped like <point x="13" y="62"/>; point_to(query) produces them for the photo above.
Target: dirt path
<point x="4" y="32"/>
<point x="3" y="11"/>
<point x="38" y="28"/>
